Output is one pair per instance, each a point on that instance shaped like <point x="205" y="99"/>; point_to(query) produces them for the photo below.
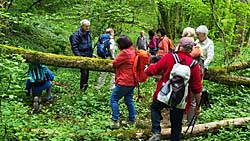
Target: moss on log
<point x="231" y="80"/>
<point x="199" y="129"/>
<point x="60" y="60"/>
<point x="216" y="74"/>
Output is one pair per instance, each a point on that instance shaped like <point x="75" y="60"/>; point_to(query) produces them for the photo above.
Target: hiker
<point x="39" y="79"/>
<point x="142" y="42"/>
<point x="206" y="44"/>
<point x="112" y="47"/>
<point x="207" y="47"/>
<point x="153" y="42"/>
<point x="165" y="45"/>
<point x="196" y="54"/>
<point x="124" y="81"/>
<point x="81" y="45"/>
<point x="163" y="67"/>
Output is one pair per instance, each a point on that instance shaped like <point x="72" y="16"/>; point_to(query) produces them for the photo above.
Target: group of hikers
<point x="186" y="63"/>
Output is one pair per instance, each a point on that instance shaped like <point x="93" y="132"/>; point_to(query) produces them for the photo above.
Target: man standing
<point x="142" y="42"/>
<point x="163" y="67"/>
<point x="81" y="45"/>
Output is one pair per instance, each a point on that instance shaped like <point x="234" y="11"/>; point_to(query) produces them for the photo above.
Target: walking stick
<point x="194" y="118"/>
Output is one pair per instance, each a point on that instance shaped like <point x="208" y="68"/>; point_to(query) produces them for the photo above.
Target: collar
<point x="204" y="42"/>
<point x="183" y="52"/>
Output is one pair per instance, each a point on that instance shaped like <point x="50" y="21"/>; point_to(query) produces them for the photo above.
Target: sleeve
<point x="195" y="80"/>
<point x="112" y="44"/>
<point x="137" y="41"/>
<point x="50" y="74"/>
<point x="210" y="55"/>
<point x="27" y="86"/>
<point x="158" y="68"/>
<point x="74" y="41"/>
<point x="120" y="59"/>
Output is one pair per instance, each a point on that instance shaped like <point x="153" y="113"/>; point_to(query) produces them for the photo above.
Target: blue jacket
<point x="38" y="89"/>
<point x="81" y="43"/>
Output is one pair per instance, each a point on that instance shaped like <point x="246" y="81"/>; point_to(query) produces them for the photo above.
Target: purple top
<point x="153" y="43"/>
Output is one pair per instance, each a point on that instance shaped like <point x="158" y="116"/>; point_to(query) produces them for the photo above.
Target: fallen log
<point x="211" y="127"/>
<point x="231" y="80"/>
<point x="199" y="129"/>
<point x="50" y="59"/>
<point x="95" y="64"/>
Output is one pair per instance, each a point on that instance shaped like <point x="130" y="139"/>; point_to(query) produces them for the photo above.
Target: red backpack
<point x="142" y="58"/>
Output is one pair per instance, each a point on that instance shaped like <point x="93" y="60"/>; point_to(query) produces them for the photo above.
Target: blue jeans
<point x="118" y="92"/>
<point x="176" y="116"/>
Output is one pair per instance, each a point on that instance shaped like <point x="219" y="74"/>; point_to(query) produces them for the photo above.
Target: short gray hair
<point x="84" y="22"/>
<point x="202" y="29"/>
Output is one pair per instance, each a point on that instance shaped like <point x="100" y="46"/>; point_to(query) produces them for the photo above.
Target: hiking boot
<point x="84" y="87"/>
<point x="115" y="124"/>
<point x="36" y="103"/>
<point x="155" y="137"/>
<point x="128" y="123"/>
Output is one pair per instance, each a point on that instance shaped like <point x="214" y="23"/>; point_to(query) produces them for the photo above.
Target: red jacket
<point x="123" y="64"/>
<point x="164" y="66"/>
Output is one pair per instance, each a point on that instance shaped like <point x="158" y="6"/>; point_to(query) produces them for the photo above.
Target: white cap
<point x="202" y="29"/>
<point x="84" y="22"/>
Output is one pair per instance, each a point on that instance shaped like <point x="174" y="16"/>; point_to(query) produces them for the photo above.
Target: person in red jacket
<point x="124" y="81"/>
<point x="163" y="68"/>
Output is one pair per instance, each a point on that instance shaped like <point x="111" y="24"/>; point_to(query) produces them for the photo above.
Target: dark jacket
<point x="81" y="43"/>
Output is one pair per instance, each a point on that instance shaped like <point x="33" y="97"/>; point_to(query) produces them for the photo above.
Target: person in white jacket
<point x="207" y="47"/>
<point x="206" y="44"/>
<point x="103" y="75"/>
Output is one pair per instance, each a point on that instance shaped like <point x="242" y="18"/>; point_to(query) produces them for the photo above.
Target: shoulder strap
<point x="176" y="58"/>
<point x="194" y="62"/>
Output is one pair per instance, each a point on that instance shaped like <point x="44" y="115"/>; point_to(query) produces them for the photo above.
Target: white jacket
<point x="208" y="51"/>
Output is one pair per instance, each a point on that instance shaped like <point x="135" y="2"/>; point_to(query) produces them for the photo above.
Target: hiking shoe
<point x="155" y="137"/>
<point x="128" y="123"/>
<point x="84" y="87"/>
<point x="49" y="98"/>
<point x="115" y="124"/>
<point x="36" y="103"/>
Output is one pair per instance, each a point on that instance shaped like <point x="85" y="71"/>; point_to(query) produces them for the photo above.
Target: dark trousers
<point x="84" y="78"/>
<point x="176" y="116"/>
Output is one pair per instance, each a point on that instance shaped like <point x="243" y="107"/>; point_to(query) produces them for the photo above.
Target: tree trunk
<point x="199" y="129"/>
<point x="218" y="75"/>
<point x="94" y="64"/>
<point x="211" y="127"/>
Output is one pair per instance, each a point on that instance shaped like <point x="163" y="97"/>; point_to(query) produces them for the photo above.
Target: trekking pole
<point x="193" y="120"/>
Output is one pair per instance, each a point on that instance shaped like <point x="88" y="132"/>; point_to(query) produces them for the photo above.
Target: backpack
<point x="37" y="74"/>
<point x="171" y="46"/>
<point x="174" y="92"/>
<point x="142" y="58"/>
<point x="103" y="45"/>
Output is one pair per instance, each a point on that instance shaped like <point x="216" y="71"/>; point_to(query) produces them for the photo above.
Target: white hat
<point x="84" y="22"/>
<point x="202" y="29"/>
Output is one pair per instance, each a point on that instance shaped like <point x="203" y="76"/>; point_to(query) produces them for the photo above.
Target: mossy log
<point x="231" y="80"/>
<point x="50" y="59"/>
<point x="199" y="129"/>
<point x="214" y="74"/>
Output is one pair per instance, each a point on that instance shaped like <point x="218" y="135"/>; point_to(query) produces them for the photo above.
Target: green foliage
<point x="86" y="116"/>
